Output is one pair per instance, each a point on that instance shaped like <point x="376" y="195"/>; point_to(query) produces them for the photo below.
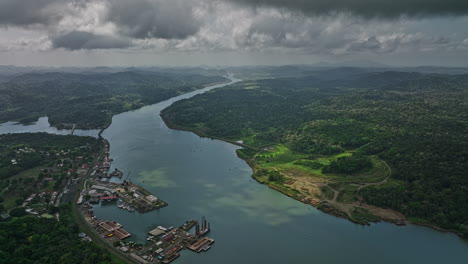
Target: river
<point x="42" y="125"/>
<point x="250" y="222"/>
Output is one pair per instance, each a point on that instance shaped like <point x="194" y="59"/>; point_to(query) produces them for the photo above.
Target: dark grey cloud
<point x="368" y="8"/>
<point x="29" y="12"/>
<point x="77" y="40"/>
<point x="370" y="44"/>
<point x="164" y="19"/>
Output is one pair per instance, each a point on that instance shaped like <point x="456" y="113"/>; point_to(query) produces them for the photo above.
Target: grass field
<point x="305" y="179"/>
<point x="31" y="173"/>
<point x="282" y="158"/>
<point x="27" y="177"/>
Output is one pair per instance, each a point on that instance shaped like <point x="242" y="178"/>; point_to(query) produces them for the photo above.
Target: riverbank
<point x="171" y="125"/>
<point x="329" y="206"/>
<point x="109" y="120"/>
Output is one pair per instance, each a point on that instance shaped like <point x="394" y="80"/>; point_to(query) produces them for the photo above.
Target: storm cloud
<point x="301" y="28"/>
<point x="141" y="19"/>
<point x="30" y="12"/>
<point x="368" y="8"/>
<point x="76" y="40"/>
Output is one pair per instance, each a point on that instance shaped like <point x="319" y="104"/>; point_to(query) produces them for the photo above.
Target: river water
<point x="42" y="125"/>
<point x="250" y="222"/>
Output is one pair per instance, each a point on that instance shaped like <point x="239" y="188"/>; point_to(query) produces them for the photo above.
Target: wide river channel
<point x="249" y="222"/>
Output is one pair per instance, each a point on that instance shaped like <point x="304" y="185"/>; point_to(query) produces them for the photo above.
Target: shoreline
<point x="109" y="121"/>
<point x="252" y="165"/>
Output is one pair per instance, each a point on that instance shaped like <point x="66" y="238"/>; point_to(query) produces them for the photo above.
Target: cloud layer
<point x="76" y="40"/>
<point x="368" y="8"/>
<point x="330" y="27"/>
<point x="153" y="19"/>
<point x="30" y="12"/>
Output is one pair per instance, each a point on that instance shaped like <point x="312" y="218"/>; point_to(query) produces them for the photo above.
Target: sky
<point x="232" y="32"/>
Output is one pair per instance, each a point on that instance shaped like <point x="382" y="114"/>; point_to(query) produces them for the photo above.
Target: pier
<point x="110" y="229"/>
<point x="202" y="245"/>
<point x="157" y="231"/>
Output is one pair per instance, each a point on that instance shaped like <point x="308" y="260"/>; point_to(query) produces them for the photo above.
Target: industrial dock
<point x="163" y="243"/>
<point x="130" y="197"/>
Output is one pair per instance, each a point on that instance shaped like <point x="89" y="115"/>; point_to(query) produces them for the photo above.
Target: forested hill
<point x="415" y="122"/>
<point x="90" y="100"/>
<point x="31" y="240"/>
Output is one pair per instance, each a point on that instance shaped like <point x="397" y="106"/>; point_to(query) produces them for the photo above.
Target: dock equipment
<point x="109" y="198"/>
<point x="115" y="229"/>
<point x="138" y="258"/>
<point x="202" y="245"/>
<point x="205" y="227"/>
<point x="121" y="233"/>
<point x="110" y="226"/>
<point x="157" y="232"/>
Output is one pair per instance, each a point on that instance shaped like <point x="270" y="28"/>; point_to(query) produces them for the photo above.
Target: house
<point x="4" y="217"/>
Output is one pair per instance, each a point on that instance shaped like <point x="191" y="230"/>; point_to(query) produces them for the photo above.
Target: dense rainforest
<point x="90" y="100"/>
<point x="28" y="239"/>
<point x="416" y="122"/>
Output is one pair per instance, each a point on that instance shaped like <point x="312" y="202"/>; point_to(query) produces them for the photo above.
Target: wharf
<point x="202" y="245"/>
<point x="132" y="196"/>
<point x="157" y="232"/>
<point x="112" y="229"/>
<point x="171" y="258"/>
<point x="189" y="225"/>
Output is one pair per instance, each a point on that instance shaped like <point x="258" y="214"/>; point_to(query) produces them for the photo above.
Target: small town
<point x="82" y="176"/>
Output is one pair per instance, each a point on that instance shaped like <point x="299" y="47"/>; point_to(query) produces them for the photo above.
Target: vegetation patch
<point x="363" y="216"/>
<point x="246" y="153"/>
<point x="27" y="239"/>
<point x="348" y="164"/>
<point x="327" y="193"/>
